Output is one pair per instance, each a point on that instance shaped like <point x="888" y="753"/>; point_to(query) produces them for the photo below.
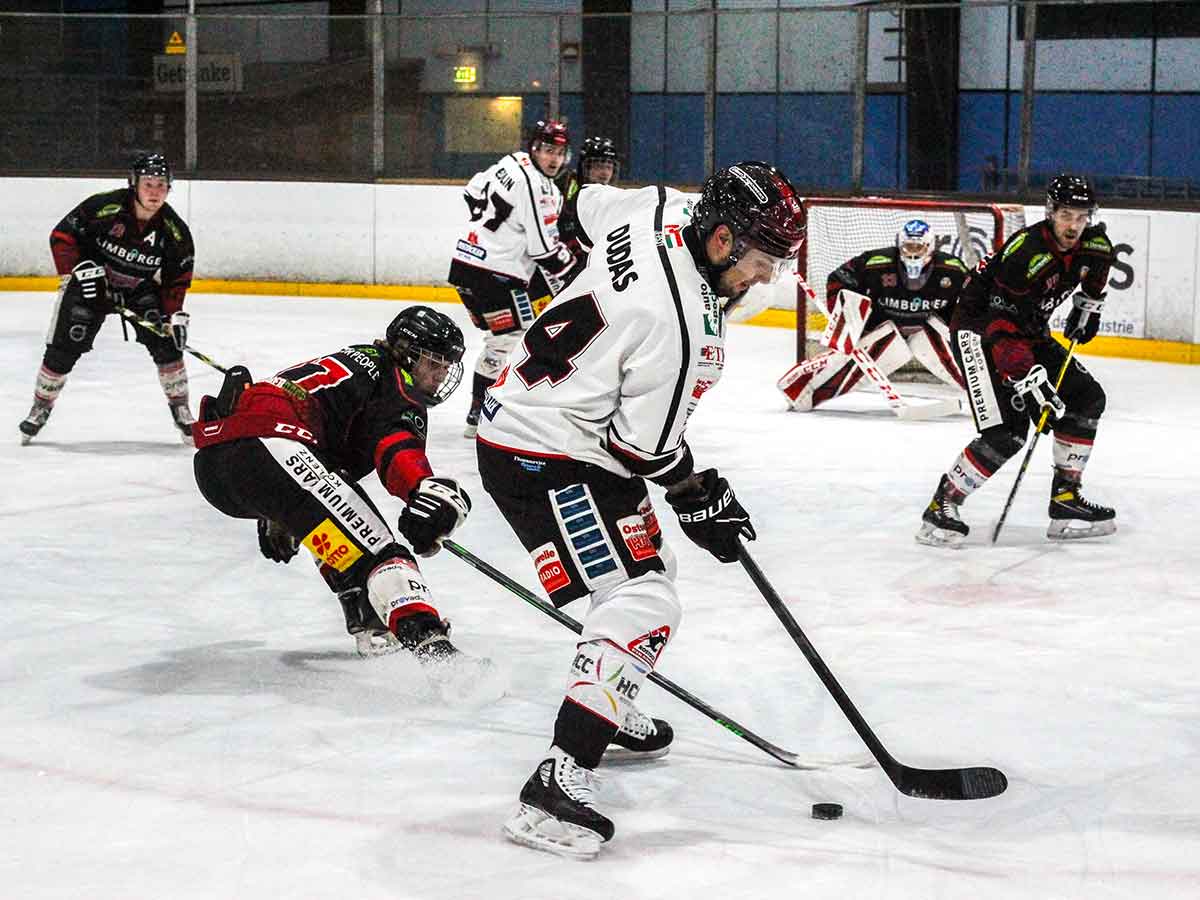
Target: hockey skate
<point x="556" y="813"/>
<point x="371" y="637"/>
<point x="472" y="426"/>
<point x="32" y="423"/>
<point x="182" y="416"/>
<point x="458" y="677"/>
<point x="1072" y="516"/>
<point x="640" y="738"/>
<point x="941" y="525"/>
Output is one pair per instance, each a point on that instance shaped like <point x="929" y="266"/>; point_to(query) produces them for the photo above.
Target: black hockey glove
<point x="711" y="516"/>
<point x="435" y="508"/>
<point x="179" y="329"/>
<point x="1033" y="392"/>
<point x="92" y="283"/>
<point x="275" y="542"/>
<point x="1083" y="321"/>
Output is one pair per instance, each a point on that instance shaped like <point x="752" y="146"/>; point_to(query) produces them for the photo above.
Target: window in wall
<point x="1114" y="20"/>
<point x="482" y="124"/>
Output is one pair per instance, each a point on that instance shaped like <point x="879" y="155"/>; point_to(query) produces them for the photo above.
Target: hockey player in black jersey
<point x="289" y="451"/>
<point x="125" y="247"/>
<point x="912" y="291"/>
<point x="1009" y="361"/>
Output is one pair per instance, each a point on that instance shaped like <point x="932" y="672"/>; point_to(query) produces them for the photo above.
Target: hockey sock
<point x="479" y="385"/>
<point x="581" y="733"/>
<point x="49" y="385"/>
<point x="174" y="380"/>
<point x="968" y="473"/>
<point x="1071" y="455"/>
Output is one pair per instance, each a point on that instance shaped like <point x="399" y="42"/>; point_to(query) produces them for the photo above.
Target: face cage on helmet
<point x="450" y="381"/>
<point x="915" y="256"/>
<point x="587" y="162"/>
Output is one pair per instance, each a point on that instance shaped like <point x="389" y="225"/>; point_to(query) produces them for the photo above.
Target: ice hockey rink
<point x="183" y="719"/>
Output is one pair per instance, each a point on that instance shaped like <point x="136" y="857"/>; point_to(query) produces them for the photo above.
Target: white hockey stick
<point x="898" y="404"/>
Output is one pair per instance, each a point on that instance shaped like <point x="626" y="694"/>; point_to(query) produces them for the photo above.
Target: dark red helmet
<point x="758" y="204"/>
<point x="549" y="131"/>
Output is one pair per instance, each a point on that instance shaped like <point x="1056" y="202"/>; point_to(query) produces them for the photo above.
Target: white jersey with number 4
<point x="513" y="223"/>
<point x="611" y="370"/>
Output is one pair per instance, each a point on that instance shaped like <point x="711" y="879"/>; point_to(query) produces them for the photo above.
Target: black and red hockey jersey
<point x="154" y="257"/>
<point x="356" y="406"/>
<point x="879" y="275"/>
<point x="1023" y="283"/>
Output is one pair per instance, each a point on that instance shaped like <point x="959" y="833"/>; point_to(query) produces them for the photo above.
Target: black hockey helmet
<point x="597" y="149"/>
<point x="758" y="204"/>
<point x="419" y="331"/>
<point x="1069" y="190"/>
<point x="152" y="164"/>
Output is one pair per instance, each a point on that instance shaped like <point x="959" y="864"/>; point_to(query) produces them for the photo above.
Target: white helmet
<point x="914" y="241"/>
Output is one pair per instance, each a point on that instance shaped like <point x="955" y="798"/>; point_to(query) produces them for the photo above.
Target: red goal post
<point x="840" y="228"/>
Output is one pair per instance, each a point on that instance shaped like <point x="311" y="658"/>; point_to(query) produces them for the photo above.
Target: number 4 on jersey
<point x="557" y="336"/>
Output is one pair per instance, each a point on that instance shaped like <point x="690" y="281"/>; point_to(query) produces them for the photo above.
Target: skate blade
<point x="25" y="439"/>
<point x="1077" y="529"/>
<point x="369" y="646"/>
<point x="470" y="431"/>
<point x="621" y="756"/>
<point x="536" y="829"/>
<point x="931" y="536"/>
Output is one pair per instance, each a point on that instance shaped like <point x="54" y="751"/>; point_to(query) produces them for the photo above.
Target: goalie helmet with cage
<point x="759" y="206"/>
<point x="153" y="165"/>
<point x="429" y="347"/>
<point x="1070" y="191"/>
<point x="914" y="244"/>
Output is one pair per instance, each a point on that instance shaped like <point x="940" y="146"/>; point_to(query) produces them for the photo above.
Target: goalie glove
<point x="179" y="329"/>
<point x="1083" y="321"/>
<point x="275" y="542"/>
<point x="711" y="516"/>
<point x="435" y="508"/>
<point x="1036" y="393"/>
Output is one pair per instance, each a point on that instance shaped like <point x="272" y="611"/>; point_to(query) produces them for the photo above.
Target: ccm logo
<point x="302" y="433"/>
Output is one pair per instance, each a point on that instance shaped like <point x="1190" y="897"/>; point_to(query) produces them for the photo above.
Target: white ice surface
<point x="183" y="719"/>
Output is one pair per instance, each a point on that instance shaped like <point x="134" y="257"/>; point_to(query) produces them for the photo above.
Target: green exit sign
<point x="465" y="75"/>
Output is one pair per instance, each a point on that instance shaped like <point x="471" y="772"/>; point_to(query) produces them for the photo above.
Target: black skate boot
<point x="556" y="812"/>
<point x="427" y="637"/>
<point x="371" y="637"/>
<point x="1072" y="516"/>
<point x="472" y="426"/>
<point x="940" y="523"/>
<point x="32" y="423"/>
<point x="182" y="416"/>
<point x="639" y="738"/>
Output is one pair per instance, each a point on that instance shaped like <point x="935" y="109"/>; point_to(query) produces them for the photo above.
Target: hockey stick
<point x="1037" y="432"/>
<point x="973" y="783"/>
<point x="157" y="329"/>
<point x="784" y="756"/>
<point x="897" y="403"/>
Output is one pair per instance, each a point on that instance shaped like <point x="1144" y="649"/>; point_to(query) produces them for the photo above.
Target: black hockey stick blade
<point x="974" y="783"/>
<point x="784" y="756"/>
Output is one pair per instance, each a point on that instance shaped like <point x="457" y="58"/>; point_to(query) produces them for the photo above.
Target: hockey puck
<point x="827" y="810"/>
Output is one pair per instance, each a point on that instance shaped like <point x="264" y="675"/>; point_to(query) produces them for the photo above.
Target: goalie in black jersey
<point x="893" y="302"/>
<point x="125" y="248"/>
<point x="1004" y="348"/>
<point x="288" y="452"/>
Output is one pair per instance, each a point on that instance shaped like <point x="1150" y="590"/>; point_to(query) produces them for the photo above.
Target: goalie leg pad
<point x="931" y="348"/>
<point x="886" y="345"/>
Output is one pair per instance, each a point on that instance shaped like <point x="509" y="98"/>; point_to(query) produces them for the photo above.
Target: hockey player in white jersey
<point x="512" y="232"/>
<point x="595" y="401"/>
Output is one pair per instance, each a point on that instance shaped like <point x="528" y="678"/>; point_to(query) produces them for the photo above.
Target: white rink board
<point x="403" y="234"/>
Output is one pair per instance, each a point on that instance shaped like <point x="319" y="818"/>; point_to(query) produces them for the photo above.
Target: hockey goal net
<point x="841" y="228"/>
